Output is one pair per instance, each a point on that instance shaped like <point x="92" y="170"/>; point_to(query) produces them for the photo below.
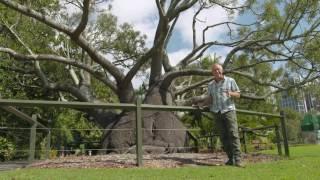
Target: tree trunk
<point x="163" y="131"/>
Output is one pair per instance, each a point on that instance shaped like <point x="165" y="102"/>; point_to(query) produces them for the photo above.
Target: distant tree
<point x="293" y="121"/>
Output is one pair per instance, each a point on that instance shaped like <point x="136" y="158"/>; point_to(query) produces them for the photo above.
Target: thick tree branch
<point x="185" y="61"/>
<point x="244" y="67"/>
<point x="255" y="80"/>
<point x="160" y="9"/>
<point x="169" y="77"/>
<point x="227" y="23"/>
<point x="75" y="91"/>
<point x="133" y="71"/>
<point x="47" y="57"/>
<point x="166" y="63"/>
<point x="173" y="5"/>
<point x="193" y="86"/>
<point x="170" y="32"/>
<point x="194" y="20"/>
<point x="84" y="19"/>
<point x="230" y="7"/>
<point x="184" y="5"/>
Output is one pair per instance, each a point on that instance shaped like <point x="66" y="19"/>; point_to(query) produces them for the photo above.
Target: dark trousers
<point x="228" y="129"/>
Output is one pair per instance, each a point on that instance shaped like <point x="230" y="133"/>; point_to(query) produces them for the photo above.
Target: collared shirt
<point x="217" y="91"/>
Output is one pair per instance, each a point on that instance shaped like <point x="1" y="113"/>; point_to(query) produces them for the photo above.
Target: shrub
<point x="7" y="149"/>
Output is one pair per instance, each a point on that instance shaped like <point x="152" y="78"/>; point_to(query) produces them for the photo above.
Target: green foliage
<point x="120" y="41"/>
<point x="259" y="143"/>
<point x="103" y="93"/>
<point x="18" y="78"/>
<point x="13" y="133"/>
<point x="7" y="149"/>
<point x="271" y="11"/>
<point x="71" y="128"/>
<point x="81" y="150"/>
<point x="53" y="153"/>
<point x="293" y="122"/>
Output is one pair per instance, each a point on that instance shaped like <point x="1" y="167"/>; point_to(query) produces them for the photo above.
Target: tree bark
<point x="163" y="131"/>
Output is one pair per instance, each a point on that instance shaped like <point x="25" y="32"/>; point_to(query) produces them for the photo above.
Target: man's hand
<point x="227" y="93"/>
<point x="232" y="94"/>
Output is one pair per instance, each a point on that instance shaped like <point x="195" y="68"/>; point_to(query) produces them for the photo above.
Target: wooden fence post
<point x="33" y="136"/>
<point x="244" y="140"/>
<point x="48" y="144"/>
<point x="276" y="129"/>
<point x="284" y="134"/>
<point x="139" y="132"/>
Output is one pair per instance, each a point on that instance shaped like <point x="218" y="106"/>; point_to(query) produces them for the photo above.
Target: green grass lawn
<point x="304" y="163"/>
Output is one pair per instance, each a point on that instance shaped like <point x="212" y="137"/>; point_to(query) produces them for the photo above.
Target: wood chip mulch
<point x="173" y="160"/>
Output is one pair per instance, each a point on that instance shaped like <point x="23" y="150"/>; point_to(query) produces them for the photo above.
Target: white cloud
<point x="222" y="52"/>
<point x="207" y="17"/>
<point x="142" y="14"/>
<point x="137" y="82"/>
<point x="176" y="56"/>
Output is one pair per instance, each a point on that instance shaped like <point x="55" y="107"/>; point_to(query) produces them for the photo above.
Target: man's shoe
<point x="229" y="163"/>
<point x="239" y="164"/>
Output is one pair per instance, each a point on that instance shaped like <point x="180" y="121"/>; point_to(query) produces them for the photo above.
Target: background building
<point x="291" y="102"/>
<point x="300" y="100"/>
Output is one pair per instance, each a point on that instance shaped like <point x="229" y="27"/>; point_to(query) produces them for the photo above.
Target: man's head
<point x="217" y="72"/>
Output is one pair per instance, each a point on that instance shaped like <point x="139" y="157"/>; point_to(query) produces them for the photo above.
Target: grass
<point x="304" y="163"/>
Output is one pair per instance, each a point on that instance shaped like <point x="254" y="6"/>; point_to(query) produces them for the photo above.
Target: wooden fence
<point x="9" y="104"/>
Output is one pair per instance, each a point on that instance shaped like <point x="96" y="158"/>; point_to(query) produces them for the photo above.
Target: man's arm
<point x="235" y="91"/>
<point x="235" y="94"/>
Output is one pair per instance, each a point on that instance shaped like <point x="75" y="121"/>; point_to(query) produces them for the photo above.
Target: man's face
<point x="217" y="72"/>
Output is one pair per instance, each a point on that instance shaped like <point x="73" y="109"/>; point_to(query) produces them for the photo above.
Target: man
<point x="222" y="91"/>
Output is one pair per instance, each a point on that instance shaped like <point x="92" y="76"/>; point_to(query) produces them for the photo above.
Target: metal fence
<point x="138" y="107"/>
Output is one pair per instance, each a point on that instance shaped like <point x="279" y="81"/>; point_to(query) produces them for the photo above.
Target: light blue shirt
<point x="220" y="102"/>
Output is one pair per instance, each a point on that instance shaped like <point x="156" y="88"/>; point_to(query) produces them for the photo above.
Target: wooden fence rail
<point x="138" y="107"/>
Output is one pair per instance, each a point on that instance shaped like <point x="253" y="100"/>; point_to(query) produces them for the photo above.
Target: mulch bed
<point x="173" y="160"/>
